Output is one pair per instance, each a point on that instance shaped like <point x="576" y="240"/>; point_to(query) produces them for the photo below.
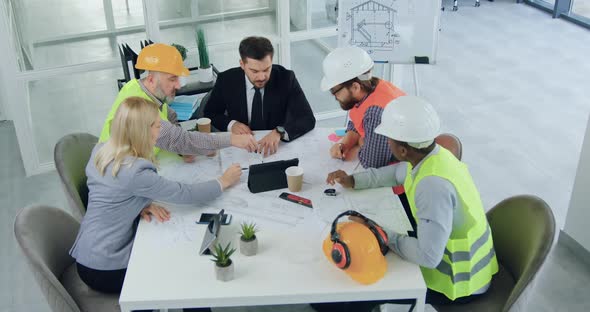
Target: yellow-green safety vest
<point x="469" y="261"/>
<point x="131" y="88"/>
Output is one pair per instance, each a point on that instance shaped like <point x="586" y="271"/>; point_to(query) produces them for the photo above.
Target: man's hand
<point x="189" y="158"/>
<point x="340" y="177"/>
<point x="270" y="143"/>
<point x="245" y="141"/>
<point x="240" y="128"/>
<point x="338" y="151"/>
<point x="159" y="212"/>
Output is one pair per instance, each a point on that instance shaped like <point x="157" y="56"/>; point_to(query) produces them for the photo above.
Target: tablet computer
<point x="211" y="233"/>
<point x="269" y="176"/>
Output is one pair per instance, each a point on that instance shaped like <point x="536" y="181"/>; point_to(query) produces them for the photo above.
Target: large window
<point x="312" y="14"/>
<point x="224" y="23"/>
<point x="56" y="33"/>
<point x="581" y="8"/>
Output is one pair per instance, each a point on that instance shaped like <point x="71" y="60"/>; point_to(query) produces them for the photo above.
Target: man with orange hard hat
<point x="164" y="65"/>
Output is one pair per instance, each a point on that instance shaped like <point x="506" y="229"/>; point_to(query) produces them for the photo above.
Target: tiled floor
<point x="511" y="82"/>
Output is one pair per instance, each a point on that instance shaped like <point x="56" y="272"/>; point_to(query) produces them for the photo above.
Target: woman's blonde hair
<point x="130" y="135"/>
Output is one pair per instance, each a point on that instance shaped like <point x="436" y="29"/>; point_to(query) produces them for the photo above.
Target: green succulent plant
<point x="202" y="46"/>
<point x="249" y="231"/>
<point x="181" y="49"/>
<point x="221" y="255"/>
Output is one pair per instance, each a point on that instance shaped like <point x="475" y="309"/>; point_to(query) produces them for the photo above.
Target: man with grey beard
<point x="164" y="65"/>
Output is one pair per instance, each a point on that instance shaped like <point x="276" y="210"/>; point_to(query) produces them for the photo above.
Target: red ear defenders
<point x="340" y="252"/>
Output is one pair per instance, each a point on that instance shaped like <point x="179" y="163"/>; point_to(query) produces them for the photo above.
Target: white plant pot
<point x="249" y="248"/>
<point x="205" y="74"/>
<point x="224" y="274"/>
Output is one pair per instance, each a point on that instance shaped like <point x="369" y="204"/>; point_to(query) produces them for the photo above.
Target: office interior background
<point x="511" y="80"/>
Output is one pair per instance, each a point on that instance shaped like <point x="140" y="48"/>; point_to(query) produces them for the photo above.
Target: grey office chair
<point x="71" y="154"/>
<point x="523" y="229"/>
<point x="200" y="112"/>
<point x="45" y="236"/>
<point x="451" y="143"/>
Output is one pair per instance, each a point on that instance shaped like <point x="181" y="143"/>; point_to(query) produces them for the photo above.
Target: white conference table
<point x="166" y="271"/>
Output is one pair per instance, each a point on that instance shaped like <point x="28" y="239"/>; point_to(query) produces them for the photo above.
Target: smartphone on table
<point x="207" y="217"/>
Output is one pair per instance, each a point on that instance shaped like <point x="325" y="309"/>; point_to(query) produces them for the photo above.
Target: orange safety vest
<point x="384" y="93"/>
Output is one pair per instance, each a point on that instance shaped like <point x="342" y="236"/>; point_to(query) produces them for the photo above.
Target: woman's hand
<point x="159" y="212"/>
<point x="231" y="176"/>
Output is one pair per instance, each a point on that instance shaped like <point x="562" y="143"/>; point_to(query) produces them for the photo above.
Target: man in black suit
<point x="260" y="96"/>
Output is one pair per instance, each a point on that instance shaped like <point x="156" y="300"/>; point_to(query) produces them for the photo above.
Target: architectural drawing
<point x="372" y="25"/>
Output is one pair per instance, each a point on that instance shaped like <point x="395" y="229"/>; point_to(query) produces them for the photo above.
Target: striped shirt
<point x="375" y="152"/>
<point x="173" y="138"/>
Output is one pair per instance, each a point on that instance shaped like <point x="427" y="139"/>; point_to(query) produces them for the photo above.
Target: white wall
<point x="2" y="101"/>
<point x="576" y="224"/>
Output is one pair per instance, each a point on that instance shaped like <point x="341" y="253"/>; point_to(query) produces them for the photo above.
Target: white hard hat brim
<point x="326" y="84"/>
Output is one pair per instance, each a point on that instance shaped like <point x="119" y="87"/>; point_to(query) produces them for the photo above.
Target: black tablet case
<point x="269" y="176"/>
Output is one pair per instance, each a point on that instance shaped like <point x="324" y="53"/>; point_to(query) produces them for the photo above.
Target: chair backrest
<point x="450" y="142"/>
<point x="71" y="154"/>
<point x="200" y="112"/>
<point x="523" y="229"/>
<point x="45" y="235"/>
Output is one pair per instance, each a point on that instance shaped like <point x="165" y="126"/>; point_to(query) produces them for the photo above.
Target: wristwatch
<point x="281" y="131"/>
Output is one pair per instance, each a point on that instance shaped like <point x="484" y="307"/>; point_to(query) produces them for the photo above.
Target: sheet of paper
<point x="203" y="169"/>
<point x="178" y="229"/>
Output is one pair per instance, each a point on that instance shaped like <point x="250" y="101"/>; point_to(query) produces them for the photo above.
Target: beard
<point x="162" y="96"/>
<point x="347" y="104"/>
<point x="258" y="83"/>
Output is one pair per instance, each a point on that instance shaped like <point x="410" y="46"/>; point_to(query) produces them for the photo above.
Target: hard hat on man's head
<point x="410" y="119"/>
<point x="162" y="58"/>
<point x="343" y="64"/>
<point x="367" y="264"/>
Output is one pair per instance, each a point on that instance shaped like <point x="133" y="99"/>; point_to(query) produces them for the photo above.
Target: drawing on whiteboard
<point x="391" y="31"/>
<point x="372" y="26"/>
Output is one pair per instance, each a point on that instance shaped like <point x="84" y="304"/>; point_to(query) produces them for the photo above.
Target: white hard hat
<point x="410" y="119"/>
<point x="343" y="64"/>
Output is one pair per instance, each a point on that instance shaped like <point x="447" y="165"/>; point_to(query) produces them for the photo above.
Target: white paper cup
<point x="294" y="178"/>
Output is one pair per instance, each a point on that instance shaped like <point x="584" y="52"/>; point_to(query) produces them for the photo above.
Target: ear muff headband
<point x="340" y="252"/>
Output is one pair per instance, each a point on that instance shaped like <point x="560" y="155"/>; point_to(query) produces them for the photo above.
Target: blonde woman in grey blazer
<point x="122" y="182"/>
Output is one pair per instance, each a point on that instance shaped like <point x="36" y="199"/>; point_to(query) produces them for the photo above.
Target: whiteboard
<point x="393" y="31"/>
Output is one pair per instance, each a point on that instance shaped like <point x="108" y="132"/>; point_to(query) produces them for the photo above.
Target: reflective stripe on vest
<point x="131" y="88"/>
<point x="469" y="260"/>
<point x="384" y="93"/>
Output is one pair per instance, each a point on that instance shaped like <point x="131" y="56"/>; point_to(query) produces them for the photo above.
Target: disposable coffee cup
<point x="294" y="178"/>
<point x="204" y="124"/>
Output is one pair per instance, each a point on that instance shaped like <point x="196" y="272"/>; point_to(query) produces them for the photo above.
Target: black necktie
<point x="257" y="118"/>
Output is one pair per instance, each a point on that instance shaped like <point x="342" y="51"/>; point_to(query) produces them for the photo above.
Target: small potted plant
<point x="248" y="241"/>
<point x="205" y="71"/>
<point x="182" y="50"/>
<point x="224" y="267"/>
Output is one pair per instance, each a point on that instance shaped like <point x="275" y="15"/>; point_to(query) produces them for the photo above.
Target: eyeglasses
<point x="336" y="91"/>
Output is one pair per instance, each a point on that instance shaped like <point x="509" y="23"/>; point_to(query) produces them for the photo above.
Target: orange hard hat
<point x="367" y="264"/>
<point x="162" y="58"/>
